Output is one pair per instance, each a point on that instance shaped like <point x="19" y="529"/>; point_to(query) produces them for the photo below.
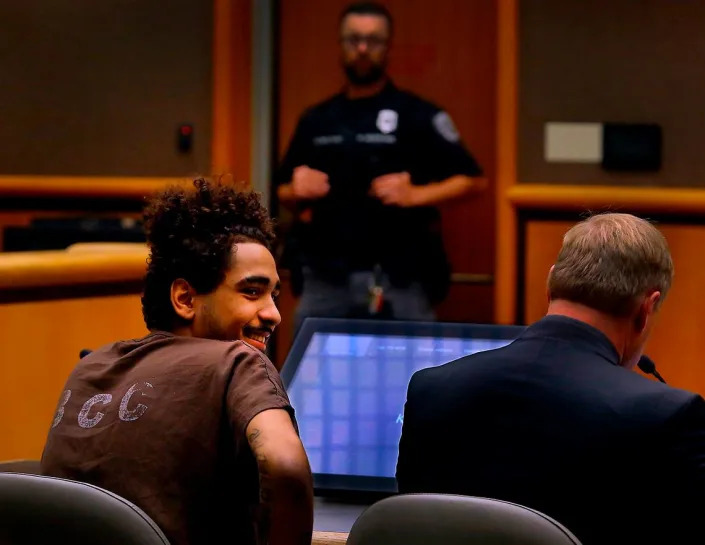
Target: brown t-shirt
<point x="161" y="422"/>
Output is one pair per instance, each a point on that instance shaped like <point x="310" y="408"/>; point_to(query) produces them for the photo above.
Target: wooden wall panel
<point x="446" y="52"/>
<point x="232" y="84"/>
<point x="543" y="240"/>
<point x="505" y="293"/>
<point x="677" y="343"/>
<point x="39" y="346"/>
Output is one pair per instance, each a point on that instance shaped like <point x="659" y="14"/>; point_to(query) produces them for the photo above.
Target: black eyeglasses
<point x="353" y="41"/>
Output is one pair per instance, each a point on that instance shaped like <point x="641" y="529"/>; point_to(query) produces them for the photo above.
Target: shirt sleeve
<point x="255" y="386"/>
<point x="298" y="153"/>
<point x="442" y="150"/>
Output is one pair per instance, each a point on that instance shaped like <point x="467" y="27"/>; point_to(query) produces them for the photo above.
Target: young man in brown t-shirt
<point x="192" y="423"/>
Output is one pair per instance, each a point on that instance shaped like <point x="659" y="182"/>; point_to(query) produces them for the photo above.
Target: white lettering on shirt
<point x="328" y="139"/>
<point x="60" y="410"/>
<point x="127" y="415"/>
<point x="376" y="138"/>
<point x="83" y="419"/>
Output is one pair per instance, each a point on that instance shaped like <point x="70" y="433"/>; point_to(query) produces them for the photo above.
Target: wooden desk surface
<point x="329" y="538"/>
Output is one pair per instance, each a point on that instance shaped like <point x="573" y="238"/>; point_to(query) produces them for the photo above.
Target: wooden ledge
<point x="107" y="248"/>
<point x="329" y="538"/>
<point x="599" y="197"/>
<point x="85" y="186"/>
<point x="26" y="270"/>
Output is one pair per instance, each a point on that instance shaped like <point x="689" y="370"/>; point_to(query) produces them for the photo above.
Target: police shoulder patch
<point x="445" y="127"/>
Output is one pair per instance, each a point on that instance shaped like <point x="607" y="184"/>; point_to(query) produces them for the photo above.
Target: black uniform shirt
<point x="354" y="141"/>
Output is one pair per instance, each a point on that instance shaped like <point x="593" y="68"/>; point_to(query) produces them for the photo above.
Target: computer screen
<point x="347" y="381"/>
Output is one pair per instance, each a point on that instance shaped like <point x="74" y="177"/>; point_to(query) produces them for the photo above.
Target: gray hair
<point x="609" y="261"/>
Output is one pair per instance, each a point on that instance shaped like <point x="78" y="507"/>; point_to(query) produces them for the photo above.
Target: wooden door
<point x="444" y="51"/>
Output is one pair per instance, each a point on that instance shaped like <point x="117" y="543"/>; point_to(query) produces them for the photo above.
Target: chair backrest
<point x="422" y="519"/>
<point x="35" y="509"/>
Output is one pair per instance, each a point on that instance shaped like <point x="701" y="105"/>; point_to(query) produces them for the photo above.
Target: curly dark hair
<point x="191" y="236"/>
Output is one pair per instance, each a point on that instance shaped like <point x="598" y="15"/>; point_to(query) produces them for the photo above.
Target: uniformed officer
<point x="364" y="170"/>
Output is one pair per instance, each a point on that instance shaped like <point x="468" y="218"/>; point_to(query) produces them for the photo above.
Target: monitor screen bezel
<point x="351" y="485"/>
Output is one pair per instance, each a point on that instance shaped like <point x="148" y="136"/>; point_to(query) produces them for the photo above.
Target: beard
<point x="371" y="74"/>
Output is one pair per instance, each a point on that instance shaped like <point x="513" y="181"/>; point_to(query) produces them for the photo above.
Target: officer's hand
<point x="308" y="183"/>
<point x="394" y="189"/>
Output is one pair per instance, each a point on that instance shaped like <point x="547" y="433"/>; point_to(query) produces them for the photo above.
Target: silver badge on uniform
<point x="387" y="121"/>
<point x="445" y="127"/>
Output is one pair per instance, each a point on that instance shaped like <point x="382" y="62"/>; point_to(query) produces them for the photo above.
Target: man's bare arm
<point x="450" y="188"/>
<point x="396" y="189"/>
<point x="286" y="485"/>
<point x="306" y="184"/>
<point x="286" y="195"/>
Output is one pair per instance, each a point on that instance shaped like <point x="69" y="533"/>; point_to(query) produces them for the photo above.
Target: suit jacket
<point x="552" y="422"/>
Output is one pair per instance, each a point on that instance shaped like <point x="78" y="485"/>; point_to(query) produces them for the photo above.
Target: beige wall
<point x="620" y="61"/>
<point x="99" y="88"/>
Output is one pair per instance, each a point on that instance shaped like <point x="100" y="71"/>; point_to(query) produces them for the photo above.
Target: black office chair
<point x="427" y="519"/>
<point x="42" y="510"/>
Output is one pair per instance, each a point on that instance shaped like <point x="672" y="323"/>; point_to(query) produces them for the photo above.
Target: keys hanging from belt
<point x="376" y="292"/>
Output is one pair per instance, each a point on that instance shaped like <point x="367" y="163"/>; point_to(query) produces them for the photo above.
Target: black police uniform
<point x="354" y="141"/>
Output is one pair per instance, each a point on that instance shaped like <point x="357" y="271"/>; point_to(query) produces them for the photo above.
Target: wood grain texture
<point x="601" y="197"/>
<point x="505" y="294"/>
<point x="329" y="538"/>
<point x="232" y="83"/>
<point x="445" y="53"/>
<point x="85" y="186"/>
<point x="20" y="270"/>
<point x="40" y="340"/>
<point x="39" y="346"/>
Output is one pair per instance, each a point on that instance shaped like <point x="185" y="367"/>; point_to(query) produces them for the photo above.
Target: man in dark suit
<point x="557" y="420"/>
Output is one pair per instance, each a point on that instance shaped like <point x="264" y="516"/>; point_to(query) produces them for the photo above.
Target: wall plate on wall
<point x="631" y="147"/>
<point x="573" y="142"/>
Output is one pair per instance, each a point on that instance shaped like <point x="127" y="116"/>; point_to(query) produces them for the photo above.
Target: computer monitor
<point x="347" y="381"/>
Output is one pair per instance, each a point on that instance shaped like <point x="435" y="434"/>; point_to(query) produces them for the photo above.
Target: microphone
<point x="647" y="365"/>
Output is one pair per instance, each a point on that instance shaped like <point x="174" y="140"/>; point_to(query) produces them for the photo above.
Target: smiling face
<point x="243" y="306"/>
